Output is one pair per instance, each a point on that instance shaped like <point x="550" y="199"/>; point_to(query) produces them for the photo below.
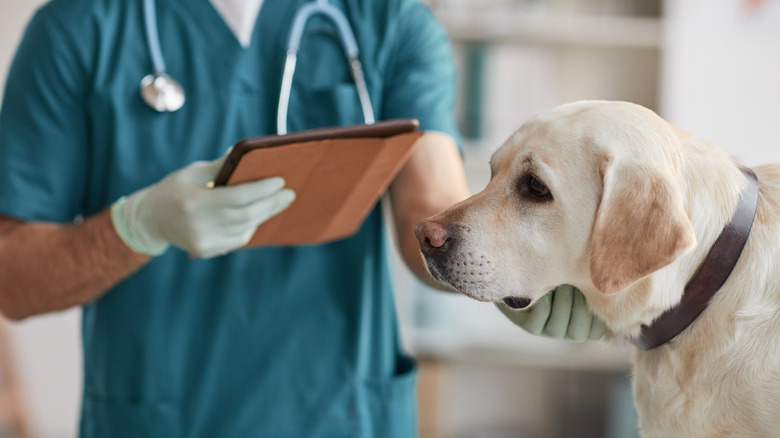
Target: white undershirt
<point x="240" y="16"/>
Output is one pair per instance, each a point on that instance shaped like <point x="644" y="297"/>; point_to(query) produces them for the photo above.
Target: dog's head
<point x="586" y="194"/>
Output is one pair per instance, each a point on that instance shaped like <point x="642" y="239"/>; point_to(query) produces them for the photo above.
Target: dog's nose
<point x="431" y="234"/>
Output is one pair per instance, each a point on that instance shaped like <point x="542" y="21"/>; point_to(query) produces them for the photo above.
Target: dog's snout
<point x="431" y="234"/>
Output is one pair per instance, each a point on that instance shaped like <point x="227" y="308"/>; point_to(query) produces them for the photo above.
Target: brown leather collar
<point x="710" y="276"/>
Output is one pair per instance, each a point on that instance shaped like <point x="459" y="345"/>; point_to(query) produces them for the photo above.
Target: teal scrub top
<point x="270" y="342"/>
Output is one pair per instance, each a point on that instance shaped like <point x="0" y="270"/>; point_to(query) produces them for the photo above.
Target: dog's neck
<point x="711" y="274"/>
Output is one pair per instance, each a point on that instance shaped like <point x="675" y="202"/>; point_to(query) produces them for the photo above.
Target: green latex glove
<point x="561" y="314"/>
<point x="181" y="210"/>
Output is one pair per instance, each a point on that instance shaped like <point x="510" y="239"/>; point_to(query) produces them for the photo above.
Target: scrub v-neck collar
<point x="207" y="16"/>
<point x="240" y="16"/>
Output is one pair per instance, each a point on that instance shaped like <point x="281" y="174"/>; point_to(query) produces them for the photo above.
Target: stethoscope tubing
<point x="164" y="94"/>
<point x="153" y="37"/>
<point x="348" y="42"/>
<point x="322" y="7"/>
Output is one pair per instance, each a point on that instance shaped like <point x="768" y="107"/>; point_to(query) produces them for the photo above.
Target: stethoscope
<point x="164" y="94"/>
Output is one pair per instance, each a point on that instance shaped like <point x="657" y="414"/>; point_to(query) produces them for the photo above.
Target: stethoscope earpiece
<point x="161" y="92"/>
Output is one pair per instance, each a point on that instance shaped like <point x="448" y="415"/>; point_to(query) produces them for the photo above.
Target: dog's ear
<point x="640" y="227"/>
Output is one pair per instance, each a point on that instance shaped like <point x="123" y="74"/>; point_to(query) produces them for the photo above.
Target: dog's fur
<point x="635" y="205"/>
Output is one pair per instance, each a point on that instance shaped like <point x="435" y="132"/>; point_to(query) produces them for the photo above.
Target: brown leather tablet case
<point x="338" y="175"/>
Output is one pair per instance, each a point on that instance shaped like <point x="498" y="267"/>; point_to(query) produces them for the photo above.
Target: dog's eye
<point x="537" y="189"/>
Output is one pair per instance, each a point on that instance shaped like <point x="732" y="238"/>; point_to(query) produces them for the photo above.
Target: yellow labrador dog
<point x="673" y="244"/>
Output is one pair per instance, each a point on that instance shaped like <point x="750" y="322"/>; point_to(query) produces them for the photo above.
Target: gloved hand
<point x="181" y="210"/>
<point x="562" y="314"/>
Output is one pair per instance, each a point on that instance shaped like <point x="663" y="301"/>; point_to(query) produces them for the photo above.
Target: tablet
<point x="338" y="175"/>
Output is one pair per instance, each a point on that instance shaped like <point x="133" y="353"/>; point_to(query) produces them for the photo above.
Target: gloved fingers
<point x="200" y="173"/>
<point x="236" y="236"/>
<point x="273" y="205"/>
<point x="517" y="317"/>
<point x="266" y="208"/>
<point x="221" y="236"/>
<point x="245" y="193"/>
<point x="581" y="319"/>
<point x="229" y="238"/>
<point x="254" y="214"/>
<point x="214" y="166"/>
<point x="218" y="247"/>
<point x="531" y="320"/>
<point x="539" y="314"/>
<point x="560" y="315"/>
<point x="598" y="329"/>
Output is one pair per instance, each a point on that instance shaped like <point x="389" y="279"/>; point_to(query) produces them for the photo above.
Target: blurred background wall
<point x="709" y="66"/>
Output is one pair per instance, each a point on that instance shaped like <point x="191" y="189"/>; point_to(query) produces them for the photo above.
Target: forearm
<point x="432" y="180"/>
<point x="46" y="267"/>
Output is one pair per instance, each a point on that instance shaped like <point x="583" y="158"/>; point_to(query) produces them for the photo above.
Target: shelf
<point x="502" y="26"/>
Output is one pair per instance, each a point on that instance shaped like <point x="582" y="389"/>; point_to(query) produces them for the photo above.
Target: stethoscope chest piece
<point x="161" y="92"/>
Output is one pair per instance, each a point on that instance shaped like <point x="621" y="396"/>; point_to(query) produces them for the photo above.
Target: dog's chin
<point x="439" y="274"/>
<point x="480" y="291"/>
<point x="472" y="284"/>
<point x="436" y="274"/>
<point x="454" y="283"/>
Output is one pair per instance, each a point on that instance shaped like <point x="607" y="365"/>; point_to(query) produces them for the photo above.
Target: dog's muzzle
<point x="438" y="245"/>
<point x="453" y="261"/>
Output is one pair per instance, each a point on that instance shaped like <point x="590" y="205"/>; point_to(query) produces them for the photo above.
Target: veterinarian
<point x="115" y="117"/>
